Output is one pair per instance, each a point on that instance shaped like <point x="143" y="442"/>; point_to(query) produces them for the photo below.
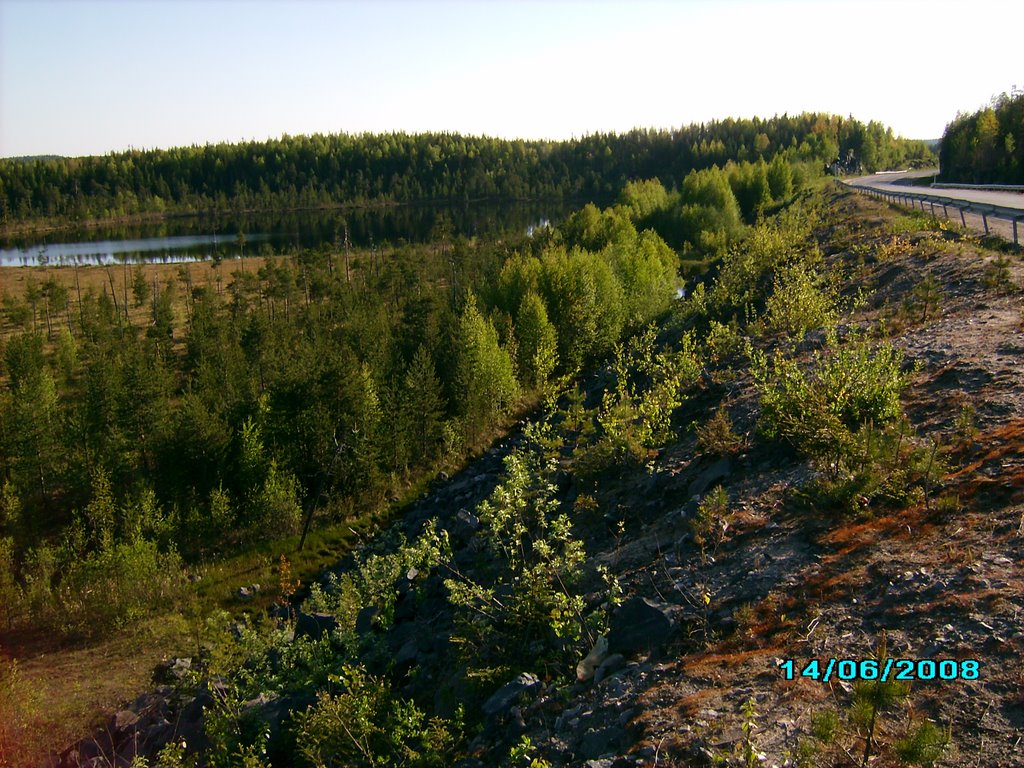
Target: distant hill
<point x="33" y="158"/>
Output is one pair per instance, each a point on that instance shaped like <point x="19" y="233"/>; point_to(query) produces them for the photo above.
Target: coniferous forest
<point x="306" y="171"/>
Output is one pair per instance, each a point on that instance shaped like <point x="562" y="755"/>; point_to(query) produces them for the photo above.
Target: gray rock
<point x="314" y="625"/>
<point x="276" y="710"/>
<point x="714" y="474"/>
<point x="609" y="666"/>
<point x="640" y="624"/>
<point x="602" y="741"/>
<point x="123" y="720"/>
<point x="279" y="612"/>
<point x="468" y="519"/>
<point x="247" y="593"/>
<point x="157" y="735"/>
<point x="407" y="654"/>
<point x="172" y="670"/>
<point x="366" y="619"/>
<point x="505" y="697"/>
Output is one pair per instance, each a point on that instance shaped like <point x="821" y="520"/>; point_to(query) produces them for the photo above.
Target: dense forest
<point x="180" y="419"/>
<point x="304" y="171"/>
<point x="986" y="147"/>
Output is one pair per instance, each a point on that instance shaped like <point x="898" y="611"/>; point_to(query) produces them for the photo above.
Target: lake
<point x="196" y="238"/>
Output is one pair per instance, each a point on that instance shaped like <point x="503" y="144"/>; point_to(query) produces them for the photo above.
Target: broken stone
<point x="640" y="624"/>
<point x="588" y="666"/>
<point x="505" y="697"/>
<point x="609" y="666"/>
<point x="717" y="472"/>
<point x="366" y="619"/>
<point x="314" y="625"/>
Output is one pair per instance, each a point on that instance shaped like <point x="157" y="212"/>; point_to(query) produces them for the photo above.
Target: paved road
<point x="885" y="183"/>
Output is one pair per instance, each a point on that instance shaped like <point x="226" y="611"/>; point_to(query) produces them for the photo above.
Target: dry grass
<point x="116" y="280"/>
<point x="62" y="693"/>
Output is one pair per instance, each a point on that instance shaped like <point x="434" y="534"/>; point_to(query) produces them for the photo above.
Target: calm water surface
<point x="196" y="238"/>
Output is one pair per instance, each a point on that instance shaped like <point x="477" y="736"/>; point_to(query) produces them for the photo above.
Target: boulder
<point x="367" y="619"/>
<point x="609" y="666"/>
<point x="710" y="477"/>
<point x="602" y="741"/>
<point x="314" y="625"/>
<point x="501" y="702"/>
<point x="586" y="668"/>
<point x="640" y="624"/>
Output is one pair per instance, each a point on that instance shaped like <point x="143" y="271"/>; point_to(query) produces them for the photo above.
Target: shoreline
<point x="44" y="226"/>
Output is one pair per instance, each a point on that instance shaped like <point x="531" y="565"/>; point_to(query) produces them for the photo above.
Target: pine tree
<point x="422" y="407"/>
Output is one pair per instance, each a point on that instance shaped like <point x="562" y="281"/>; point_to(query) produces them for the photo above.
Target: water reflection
<point x="195" y="238"/>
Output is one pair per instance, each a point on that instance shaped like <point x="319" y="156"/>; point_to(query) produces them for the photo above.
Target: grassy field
<point x="116" y="280"/>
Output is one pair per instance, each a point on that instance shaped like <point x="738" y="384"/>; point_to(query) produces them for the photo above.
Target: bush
<point x="93" y="593"/>
<point x="636" y="413"/>
<point x="818" y="407"/>
<point x="711" y="521"/>
<point x="801" y="301"/>
<point x="365" y="726"/>
<point x="843" y="411"/>
<point x="923" y="744"/>
<point x="523" y="607"/>
<point x="717" y="436"/>
<point x="112" y="587"/>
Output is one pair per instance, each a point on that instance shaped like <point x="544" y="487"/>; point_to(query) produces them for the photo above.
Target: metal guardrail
<point x="985" y="210"/>
<point x="993" y="187"/>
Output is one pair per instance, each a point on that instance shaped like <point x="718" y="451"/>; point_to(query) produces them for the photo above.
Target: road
<point x="885" y="182"/>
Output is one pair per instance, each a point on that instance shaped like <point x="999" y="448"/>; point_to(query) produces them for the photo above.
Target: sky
<point x="80" y="77"/>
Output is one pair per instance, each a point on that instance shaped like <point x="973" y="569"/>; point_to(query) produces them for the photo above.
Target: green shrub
<point x="716" y="437"/>
<point x="723" y="340"/>
<point x="366" y="726"/>
<point x="10" y="593"/>
<point x="888" y="465"/>
<point x="711" y="521"/>
<point x="998" y="277"/>
<point x="825" y="726"/>
<point x="109" y="588"/>
<point x="523" y="606"/>
<point x="372" y="581"/>
<point x="842" y="410"/>
<point x="801" y="301"/>
<point x="925" y="298"/>
<point x="923" y="744"/>
<point x="817" y="407"/>
<point x="636" y="413"/>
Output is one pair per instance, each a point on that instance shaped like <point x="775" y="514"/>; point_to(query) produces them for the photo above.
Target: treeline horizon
<point x="336" y="169"/>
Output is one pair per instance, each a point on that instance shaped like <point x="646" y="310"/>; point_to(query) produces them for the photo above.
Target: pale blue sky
<point x="83" y="77"/>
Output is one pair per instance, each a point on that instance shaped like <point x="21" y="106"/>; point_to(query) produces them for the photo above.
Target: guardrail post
<point x="962" y="219"/>
<point x="984" y="220"/>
